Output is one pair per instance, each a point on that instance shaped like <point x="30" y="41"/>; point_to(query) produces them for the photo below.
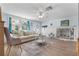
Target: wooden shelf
<point x="66" y="33"/>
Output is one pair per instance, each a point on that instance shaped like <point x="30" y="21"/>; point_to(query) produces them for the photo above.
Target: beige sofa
<point x="26" y="36"/>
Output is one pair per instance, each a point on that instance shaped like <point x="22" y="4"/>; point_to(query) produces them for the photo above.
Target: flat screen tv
<point x="65" y="23"/>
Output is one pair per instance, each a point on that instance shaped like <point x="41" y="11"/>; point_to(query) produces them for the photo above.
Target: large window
<point x="15" y="25"/>
<point x="19" y="25"/>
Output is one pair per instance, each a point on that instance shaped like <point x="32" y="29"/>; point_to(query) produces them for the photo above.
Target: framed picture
<point x="65" y="23"/>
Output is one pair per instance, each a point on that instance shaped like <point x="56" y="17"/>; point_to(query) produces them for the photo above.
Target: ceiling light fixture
<point x="44" y="11"/>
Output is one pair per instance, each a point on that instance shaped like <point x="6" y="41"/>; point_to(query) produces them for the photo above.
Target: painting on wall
<point x="65" y="23"/>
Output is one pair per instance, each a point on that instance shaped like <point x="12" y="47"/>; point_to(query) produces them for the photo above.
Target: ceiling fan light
<point x="49" y="8"/>
<point x="40" y="16"/>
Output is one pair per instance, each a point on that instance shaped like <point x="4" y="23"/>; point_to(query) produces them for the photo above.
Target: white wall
<point x="74" y="23"/>
<point x="35" y="26"/>
<point x="56" y="24"/>
<point x="49" y="29"/>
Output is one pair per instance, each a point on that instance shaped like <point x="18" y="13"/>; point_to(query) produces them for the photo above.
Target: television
<point x="65" y="23"/>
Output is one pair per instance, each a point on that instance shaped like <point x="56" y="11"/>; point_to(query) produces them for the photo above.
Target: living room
<point x="41" y="27"/>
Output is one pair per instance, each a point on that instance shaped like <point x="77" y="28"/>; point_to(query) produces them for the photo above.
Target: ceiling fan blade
<point x="48" y="8"/>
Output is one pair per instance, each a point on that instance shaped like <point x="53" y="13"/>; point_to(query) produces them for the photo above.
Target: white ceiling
<point x="30" y="10"/>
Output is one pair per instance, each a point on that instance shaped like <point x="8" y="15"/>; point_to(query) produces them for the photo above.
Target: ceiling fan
<point x="44" y="11"/>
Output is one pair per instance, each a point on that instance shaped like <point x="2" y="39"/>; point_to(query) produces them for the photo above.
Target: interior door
<point x="1" y="35"/>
